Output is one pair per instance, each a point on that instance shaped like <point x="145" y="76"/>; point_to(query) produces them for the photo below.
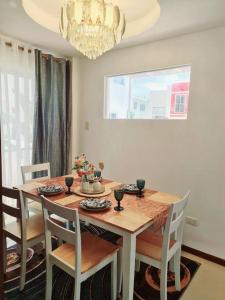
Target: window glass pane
<point x="161" y="94"/>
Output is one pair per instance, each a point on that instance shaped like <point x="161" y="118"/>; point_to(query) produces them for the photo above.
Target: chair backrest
<point x="45" y="167"/>
<point x="17" y="211"/>
<point x="174" y="226"/>
<point x="52" y="228"/>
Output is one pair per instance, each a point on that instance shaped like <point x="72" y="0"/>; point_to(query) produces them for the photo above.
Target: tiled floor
<point x="208" y="283"/>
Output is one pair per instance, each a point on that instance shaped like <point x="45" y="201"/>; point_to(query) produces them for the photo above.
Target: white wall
<point x="173" y="155"/>
<point x="74" y="148"/>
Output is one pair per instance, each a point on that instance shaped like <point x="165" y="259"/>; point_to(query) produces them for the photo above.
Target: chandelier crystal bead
<point x="91" y="26"/>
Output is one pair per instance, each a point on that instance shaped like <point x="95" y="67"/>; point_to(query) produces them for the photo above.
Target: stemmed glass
<point x="118" y="194"/>
<point x="69" y="182"/>
<point x="97" y="173"/>
<point x="140" y="185"/>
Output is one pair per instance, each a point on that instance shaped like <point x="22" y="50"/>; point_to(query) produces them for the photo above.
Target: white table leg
<point x="128" y="265"/>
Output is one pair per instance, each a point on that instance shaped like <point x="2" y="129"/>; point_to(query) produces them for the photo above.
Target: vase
<point x="85" y="186"/>
<point x="97" y="186"/>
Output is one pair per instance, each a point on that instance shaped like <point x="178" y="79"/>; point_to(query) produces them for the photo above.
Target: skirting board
<point x="204" y="255"/>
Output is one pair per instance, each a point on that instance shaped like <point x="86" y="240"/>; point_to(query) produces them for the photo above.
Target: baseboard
<point x="204" y="255"/>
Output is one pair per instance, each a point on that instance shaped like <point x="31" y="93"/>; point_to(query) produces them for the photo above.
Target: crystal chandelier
<point x="91" y="26"/>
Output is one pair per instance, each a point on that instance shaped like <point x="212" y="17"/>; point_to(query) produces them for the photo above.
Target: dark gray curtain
<point x="52" y="119"/>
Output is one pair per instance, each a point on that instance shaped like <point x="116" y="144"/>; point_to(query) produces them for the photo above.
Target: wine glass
<point x="140" y="185"/>
<point x="69" y="182"/>
<point x="97" y="174"/>
<point x="118" y="194"/>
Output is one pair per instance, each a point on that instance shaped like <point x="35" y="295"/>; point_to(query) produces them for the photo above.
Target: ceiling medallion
<point x="91" y="26"/>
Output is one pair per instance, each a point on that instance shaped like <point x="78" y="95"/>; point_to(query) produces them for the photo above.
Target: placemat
<point x="105" y="193"/>
<point x="68" y="200"/>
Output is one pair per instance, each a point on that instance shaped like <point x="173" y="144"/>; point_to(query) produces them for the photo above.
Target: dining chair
<point x="81" y="255"/>
<point x="40" y="169"/>
<point x="27" y="173"/>
<point x="159" y="249"/>
<point x="25" y="232"/>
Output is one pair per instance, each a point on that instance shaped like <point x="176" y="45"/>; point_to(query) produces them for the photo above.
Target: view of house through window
<point x="161" y="94"/>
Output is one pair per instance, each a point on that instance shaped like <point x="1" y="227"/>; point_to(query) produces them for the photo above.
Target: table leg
<point x="128" y="265"/>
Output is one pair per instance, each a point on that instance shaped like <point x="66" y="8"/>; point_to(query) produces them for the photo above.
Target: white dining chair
<point x="158" y="250"/>
<point x="27" y="176"/>
<point x="30" y="169"/>
<point x="27" y="173"/>
<point x="81" y="255"/>
<point x="25" y="232"/>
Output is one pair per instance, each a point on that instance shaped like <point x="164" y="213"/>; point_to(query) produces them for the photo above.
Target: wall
<point x="174" y="155"/>
<point x="74" y="148"/>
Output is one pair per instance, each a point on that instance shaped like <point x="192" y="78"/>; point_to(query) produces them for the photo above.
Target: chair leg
<point x="137" y="265"/>
<point x="163" y="281"/>
<point x="48" y="289"/>
<point x="119" y="272"/>
<point x="23" y="266"/>
<point x="171" y="265"/>
<point x="26" y="207"/>
<point x="114" y="277"/>
<point x="177" y="269"/>
<point x="19" y="249"/>
<point x="76" y="295"/>
<point x="4" y="253"/>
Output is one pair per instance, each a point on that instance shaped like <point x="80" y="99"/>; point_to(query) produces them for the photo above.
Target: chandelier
<point x="91" y="26"/>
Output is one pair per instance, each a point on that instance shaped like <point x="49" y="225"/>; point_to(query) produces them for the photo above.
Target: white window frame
<point x="106" y="99"/>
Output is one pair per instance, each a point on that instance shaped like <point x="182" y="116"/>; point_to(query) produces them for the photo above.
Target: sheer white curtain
<point x="17" y="71"/>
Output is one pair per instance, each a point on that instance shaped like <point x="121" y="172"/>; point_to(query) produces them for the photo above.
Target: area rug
<point x="96" y="287"/>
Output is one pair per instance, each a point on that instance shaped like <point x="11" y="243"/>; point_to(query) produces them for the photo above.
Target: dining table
<point x="139" y="214"/>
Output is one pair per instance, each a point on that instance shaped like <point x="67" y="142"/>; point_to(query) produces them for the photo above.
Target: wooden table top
<point x="138" y="212"/>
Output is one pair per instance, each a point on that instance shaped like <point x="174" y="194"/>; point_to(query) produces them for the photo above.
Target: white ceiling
<point x="177" y="17"/>
<point x="138" y="18"/>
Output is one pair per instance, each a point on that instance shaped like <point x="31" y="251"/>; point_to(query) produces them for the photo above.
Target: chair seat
<point x="34" y="227"/>
<point x="93" y="250"/>
<point x="149" y="244"/>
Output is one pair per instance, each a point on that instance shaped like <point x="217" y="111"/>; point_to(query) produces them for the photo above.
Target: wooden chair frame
<point x="35" y="168"/>
<point x="29" y="169"/>
<point x="73" y="238"/>
<point x="18" y="213"/>
<point x="173" y="228"/>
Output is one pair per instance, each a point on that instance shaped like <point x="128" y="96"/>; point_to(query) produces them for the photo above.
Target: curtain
<point x="52" y="120"/>
<point x="16" y="108"/>
<point x="17" y="76"/>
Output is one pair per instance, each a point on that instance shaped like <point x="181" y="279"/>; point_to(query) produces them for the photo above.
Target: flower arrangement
<point x="83" y="167"/>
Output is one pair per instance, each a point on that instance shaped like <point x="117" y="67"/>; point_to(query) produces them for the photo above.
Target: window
<point x="160" y="94"/>
<point x="142" y="107"/>
<point x="179" y="103"/>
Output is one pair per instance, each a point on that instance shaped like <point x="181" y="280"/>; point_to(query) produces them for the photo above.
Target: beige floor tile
<point x="208" y="283"/>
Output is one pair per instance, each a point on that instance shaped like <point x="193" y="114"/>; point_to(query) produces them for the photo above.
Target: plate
<point x="50" y="190"/>
<point x="92" y="204"/>
<point x="130" y="188"/>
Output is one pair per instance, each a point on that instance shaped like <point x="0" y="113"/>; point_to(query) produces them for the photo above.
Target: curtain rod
<point x="21" y="48"/>
<point x="31" y="48"/>
<point x="9" y="44"/>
